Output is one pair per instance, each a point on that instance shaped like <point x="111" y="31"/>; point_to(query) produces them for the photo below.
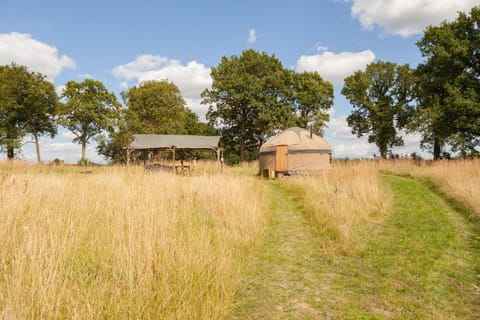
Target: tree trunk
<point x="436" y="150"/>
<point x="84" y="150"/>
<point x="10" y="153"/>
<point x="37" y="148"/>
<point x="242" y="149"/>
<point x="242" y="140"/>
<point x="383" y="151"/>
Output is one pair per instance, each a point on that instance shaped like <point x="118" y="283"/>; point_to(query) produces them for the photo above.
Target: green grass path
<point x="421" y="264"/>
<point x="283" y="281"/>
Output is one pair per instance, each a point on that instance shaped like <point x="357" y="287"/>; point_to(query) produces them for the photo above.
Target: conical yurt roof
<point x="296" y="139"/>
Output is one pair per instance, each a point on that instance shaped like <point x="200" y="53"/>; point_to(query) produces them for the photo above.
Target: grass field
<point x="342" y="201"/>
<point x="366" y="240"/>
<point x="460" y="179"/>
<point x="119" y="243"/>
<point x="382" y="246"/>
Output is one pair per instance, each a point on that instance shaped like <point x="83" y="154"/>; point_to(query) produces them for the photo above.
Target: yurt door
<point x="281" y="158"/>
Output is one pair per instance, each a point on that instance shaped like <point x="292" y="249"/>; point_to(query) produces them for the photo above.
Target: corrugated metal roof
<point x="165" y="141"/>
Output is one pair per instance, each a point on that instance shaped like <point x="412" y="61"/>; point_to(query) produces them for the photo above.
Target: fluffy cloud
<point x="412" y="144"/>
<point x="191" y="78"/>
<point x="346" y="144"/>
<point x="59" y="89"/>
<point x="252" y="36"/>
<point x="38" y="56"/>
<point x="67" y="135"/>
<point x="195" y="104"/>
<point x="407" y="17"/>
<point x="335" y="67"/>
<point x="86" y="76"/>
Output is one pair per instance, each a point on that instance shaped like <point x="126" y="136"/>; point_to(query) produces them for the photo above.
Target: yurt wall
<point x="294" y="151"/>
<point x="304" y="162"/>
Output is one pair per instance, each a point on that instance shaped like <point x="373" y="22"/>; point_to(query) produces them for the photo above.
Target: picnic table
<point x="178" y="168"/>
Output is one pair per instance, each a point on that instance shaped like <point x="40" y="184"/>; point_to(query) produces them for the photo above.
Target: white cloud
<point x="412" y="144"/>
<point x="61" y="148"/>
<point x="59" y="89"/>
<point x="346" y="144"/>
<point x="142" y="64"/>
<point x="67" y="135"/>
<point x="37" y="56"/>
<point x="335" y="67"/>
<point x="319" y="48"/>
<point x="196" y="106"/>
<point x="86" y="76"/>
<point x="70" y="152"/>
<point x="252" y="37"/>
<point x="407" y="17"/>
<point x="191" y="78"/>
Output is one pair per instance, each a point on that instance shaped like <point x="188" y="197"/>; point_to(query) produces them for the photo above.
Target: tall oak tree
<point x="28" y="105"/>
<point x="449" y="85"/>
<point x="253" y="96"/>
<point x="381" y="97"/>
<point x="88" y="110"/>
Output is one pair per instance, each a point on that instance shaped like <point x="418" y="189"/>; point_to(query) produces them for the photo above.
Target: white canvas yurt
<point x="294" y="151"/>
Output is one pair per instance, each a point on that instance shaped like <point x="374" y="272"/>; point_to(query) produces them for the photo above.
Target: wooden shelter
<point x="294" y="151"/>
<point x="151" y="144"/>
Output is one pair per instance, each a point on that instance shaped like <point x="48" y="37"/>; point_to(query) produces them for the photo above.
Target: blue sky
<point x="122" y="43"/>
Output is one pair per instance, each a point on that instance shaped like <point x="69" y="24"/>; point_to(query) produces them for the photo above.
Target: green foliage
<point x="112" y="145"/>
<point x="153" y="107"/>
<point x="449" y="86"/>
<point x="313" y="96"/>
<point x="28" y="105"/>
<point x="253" y="96"/>
<point x="89" y="110"/>
<point x="381" y="97"/>
<point x="195" y="127"/>
<point x="85" y="162"/>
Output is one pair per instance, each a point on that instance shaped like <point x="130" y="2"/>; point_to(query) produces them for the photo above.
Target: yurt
<point x="294" y="151"/>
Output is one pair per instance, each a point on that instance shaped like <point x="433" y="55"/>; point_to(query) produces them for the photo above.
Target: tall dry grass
<point x="120" y="243"/>
<point x="459" y="178"/>
<point x="343" y="200"/>
<point x="350" y="196"/>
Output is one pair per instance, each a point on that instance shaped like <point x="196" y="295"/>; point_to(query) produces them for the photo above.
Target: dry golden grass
<point x="350" y="195"/>
<point x="460" y="178"/>
<point x="121" y="243"/>
<point x="106" y="242"/>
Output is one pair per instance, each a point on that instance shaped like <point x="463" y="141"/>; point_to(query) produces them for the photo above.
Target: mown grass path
<point x="422" y="263"/>
<point x="283" y="280"/>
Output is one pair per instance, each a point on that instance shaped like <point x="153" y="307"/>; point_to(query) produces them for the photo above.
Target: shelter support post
<point x="220" y="159"/>
<point x="129" y="151"/>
